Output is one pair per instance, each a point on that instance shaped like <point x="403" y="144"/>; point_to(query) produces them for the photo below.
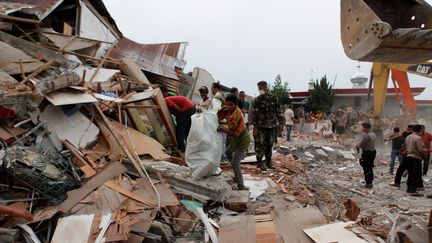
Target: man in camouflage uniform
<point x="266" y="117"/>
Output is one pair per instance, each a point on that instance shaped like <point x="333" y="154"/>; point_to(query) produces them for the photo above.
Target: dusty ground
<point x="328" y="179"/>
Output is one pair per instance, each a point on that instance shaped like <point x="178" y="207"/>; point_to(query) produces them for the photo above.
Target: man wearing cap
<point x="266" y="117"/>
<point x="205" y="99"/>
<point x="367" y="145"/>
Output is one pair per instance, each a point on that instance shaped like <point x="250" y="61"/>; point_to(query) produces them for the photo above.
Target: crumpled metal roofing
<point x="160" y="59"/>
<point x="41" y="9"/>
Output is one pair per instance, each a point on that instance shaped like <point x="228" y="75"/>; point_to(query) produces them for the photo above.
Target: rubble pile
<point x="87" y="141"/>
<point x="327" y="178"/>
<point x="88" y="150"/>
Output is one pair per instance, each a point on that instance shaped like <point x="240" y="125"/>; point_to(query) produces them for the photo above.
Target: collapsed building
<point x="88" y="143"/>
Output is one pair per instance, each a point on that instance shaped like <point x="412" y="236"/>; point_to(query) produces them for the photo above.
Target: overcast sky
<point x="241" y="42"/>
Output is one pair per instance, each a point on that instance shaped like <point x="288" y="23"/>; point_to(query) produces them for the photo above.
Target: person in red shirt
<point x="182" y="108"/>
<point x="427" y="139"/>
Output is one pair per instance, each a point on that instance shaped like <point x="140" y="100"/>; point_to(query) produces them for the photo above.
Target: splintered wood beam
<point x="18" y="19"/>
<point x="38" y="70"/>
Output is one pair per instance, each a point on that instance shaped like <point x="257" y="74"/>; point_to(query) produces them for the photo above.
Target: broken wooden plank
<point x="70" y="43"/>
<point x="14" y="61"/>
<point x="113" y="169"/>
<point x="120" y="142"/>
<point x="131" y="69"/>
<point x="167" y="197"/>
<point x="69" y="97"/>
<point x="290" y="223"/>
<point x="144" y="145"/>
<point x="333" y="233"/>
<point x="111" y="184"/>
<point x="235" y="229"/>
<point x="40" y="69"/>
<point x="265" y="230"/>
<point x="19" y="19"/>
<point x="35" y="50"/>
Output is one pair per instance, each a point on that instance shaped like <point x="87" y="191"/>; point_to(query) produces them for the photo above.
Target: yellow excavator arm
<point x="387" y="31"/>
<point x="396" y="35"/>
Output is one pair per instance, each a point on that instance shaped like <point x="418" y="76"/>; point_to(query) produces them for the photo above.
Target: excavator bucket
<point x="387" y="31"/>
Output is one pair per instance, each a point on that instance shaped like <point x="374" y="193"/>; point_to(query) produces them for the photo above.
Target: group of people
<point x="344" y="119"/>
<point x="341" y="120"/>
<point x="412" y="148"/>
<point x="235" y="115"/>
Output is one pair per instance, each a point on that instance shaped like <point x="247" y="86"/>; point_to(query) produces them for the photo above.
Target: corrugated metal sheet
<point x="161" y="59"/>
<point x="42" y="7"/>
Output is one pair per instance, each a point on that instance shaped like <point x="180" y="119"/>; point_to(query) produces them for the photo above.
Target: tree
<point x="322" y="96"/>
<point x="281" y="90"/>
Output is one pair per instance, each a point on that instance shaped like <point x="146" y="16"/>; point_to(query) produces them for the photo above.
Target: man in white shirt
<point x="218" y="99"/>
<point x="289" y="121"/>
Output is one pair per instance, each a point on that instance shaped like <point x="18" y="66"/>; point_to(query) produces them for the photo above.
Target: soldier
<point x="266" y="117"/>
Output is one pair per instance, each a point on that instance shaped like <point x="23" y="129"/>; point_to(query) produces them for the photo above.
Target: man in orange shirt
<point x="182" y="108"/>
<point x="427" y="139"/>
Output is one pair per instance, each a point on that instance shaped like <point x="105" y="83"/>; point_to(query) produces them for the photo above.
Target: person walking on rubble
<point x="341" y="122"/>
<point x="403" y="166"/>
<point x="182" y="108"/>
<point x="397" y="141"/>
<point x="289" y="121"/>
<point x="266" y="117"/>
<point x="367" y="145"/>
<point x="415" y="154"/>
<point x="301" y="117"/>
<point x="235" y="128"/>
<point x="333" y="120"/>
<point x="427" y="139"/>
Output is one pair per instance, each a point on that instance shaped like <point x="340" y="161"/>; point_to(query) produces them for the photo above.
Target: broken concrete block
<point x="321" y="152"/>
<point x="290" y="198"/>
<point x="348" y="155"/>
<point x="238" y="201"/>
<point x="213" y="188"/>
<point x="50" y="84"/>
